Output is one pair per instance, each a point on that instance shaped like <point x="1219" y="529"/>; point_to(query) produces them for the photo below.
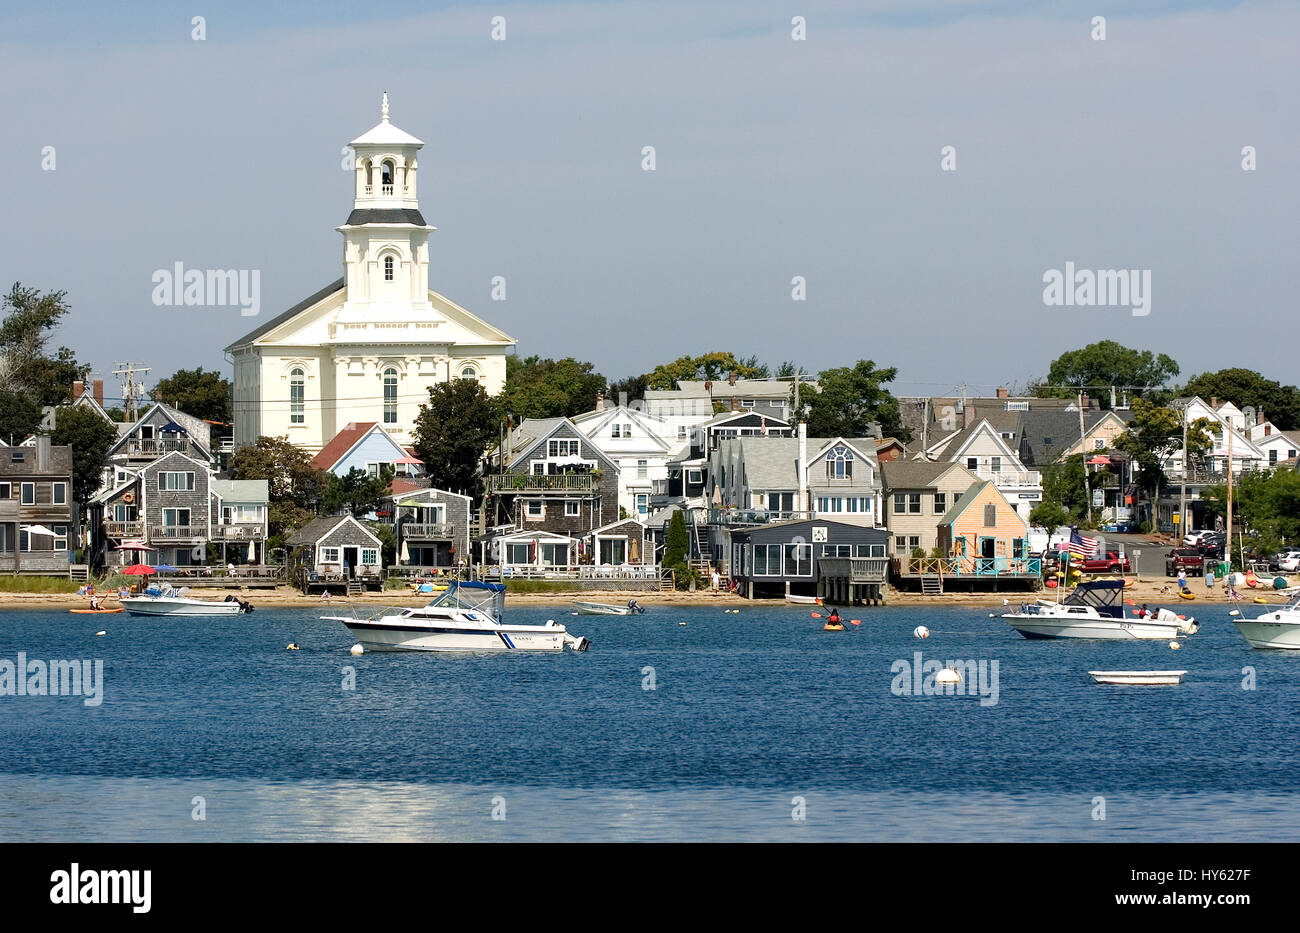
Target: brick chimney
<point x="1002" y="392"/>
<point x="78" y="389"/>
<point x="1085" y="403"/>
<point x="1214" y="402"/>
<point x="99" y="391"/>
<point x="735" y="403"/>
<point x="731" y="378"/>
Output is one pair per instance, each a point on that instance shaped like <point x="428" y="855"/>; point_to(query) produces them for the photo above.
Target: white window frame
<point x="572" y="508"/>
<point x="331" y="555"/>
<point x="530" y="505"/>
<point x="27" y="494"/>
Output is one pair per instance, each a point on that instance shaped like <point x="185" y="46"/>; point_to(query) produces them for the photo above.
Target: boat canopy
<point x="488" y="598"/>
<point x="1106" y="596"/>
<point x="472" y="585"/>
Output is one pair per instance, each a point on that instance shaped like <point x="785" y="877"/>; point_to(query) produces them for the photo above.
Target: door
<point x="350" y="562"/>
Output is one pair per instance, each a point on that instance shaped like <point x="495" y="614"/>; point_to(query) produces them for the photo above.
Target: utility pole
<point x="131" y="389"/>
<point x="1182" y="489"/>
<point x="1083" y="456"/>
<point x="1227" y="539"/>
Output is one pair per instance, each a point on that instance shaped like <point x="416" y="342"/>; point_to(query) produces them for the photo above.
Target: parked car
<point x="1187" y="559"/>
<point x="1212" y="543"/>
<point x="1287" y="560"/>
<point x="1193" y="538"/>
<point x="1110" y="562"/>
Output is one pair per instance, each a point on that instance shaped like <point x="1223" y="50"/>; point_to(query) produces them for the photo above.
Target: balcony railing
<point x="733" y="517"/>
<point x="969" y="566"/>
<point x="1011" y="477"/>
<point x="498" y="483"/>
<point x="178" y="533"/>
<point x="124" y="529"/>
<point x="238" y="531"/>
<point x="854" y="569"/>
<point x="157" y="446"/>
<point x="413" y="531"/>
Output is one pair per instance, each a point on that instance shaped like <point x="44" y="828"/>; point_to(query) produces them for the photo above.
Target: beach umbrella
<point x="132" y="546"/>
<point x="164" y="568"/>
<point x="139" y="570"/>
<point x="39" y="530"/>
<point x="406" y="554"/>
<point x="252" y="552"/>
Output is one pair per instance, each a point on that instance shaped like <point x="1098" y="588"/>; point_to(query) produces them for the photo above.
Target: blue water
<point x="753" y="718"/>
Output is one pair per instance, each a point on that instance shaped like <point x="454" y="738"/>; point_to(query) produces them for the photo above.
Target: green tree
<point x="198" y="392"/>
<point x="539" y="388"/>
<point x="25" y="366"/>
<point x="633" y="386"/>
<point x="453" y="431"/>
<point x="295" y="487"/>
<point x="712" y="367"/>
<point x="1063" y="486"/>
<point x="90" y="437"/>
<point x="1245" y="387"/>
<point x="20" y="415"/>
<point x="1096" y="367"/>
<point x="1050" y="515"/>
<point x="847" y="400"/>
<point x="1265" y="503"/>
<point x="356" y="492"/>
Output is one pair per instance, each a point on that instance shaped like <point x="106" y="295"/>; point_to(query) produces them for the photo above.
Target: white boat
<point x="168" y="601"/>
<point x="802" y="600"/>
<point x="1275" y="628"/>
<point x="467" y="617"/>
<point x="606" y="609"/>
<point x="1096" y="610"/>
<point x="1138" y="678"/>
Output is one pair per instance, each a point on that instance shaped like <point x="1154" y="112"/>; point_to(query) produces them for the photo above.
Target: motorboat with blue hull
<point x="1095" y="609"/>
<point x="466" y="617"/>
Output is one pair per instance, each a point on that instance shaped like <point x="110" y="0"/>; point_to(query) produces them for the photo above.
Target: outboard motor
<point x="581" y="644"/>
<point x="245" y="606"/>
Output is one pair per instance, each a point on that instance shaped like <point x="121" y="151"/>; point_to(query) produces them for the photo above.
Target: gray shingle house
<point x="37" y="514"/>
<point x="337" y="550"/>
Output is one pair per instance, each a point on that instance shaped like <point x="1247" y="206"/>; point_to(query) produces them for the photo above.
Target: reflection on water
<point x="38" y="808"/>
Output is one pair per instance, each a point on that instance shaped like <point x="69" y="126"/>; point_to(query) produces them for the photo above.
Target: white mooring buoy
<point x="357" y="649"/>
<point x="921" y="632"/>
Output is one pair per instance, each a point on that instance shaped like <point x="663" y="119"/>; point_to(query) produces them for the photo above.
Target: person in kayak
<point x="94" y="601"/>
<point x="834" y="617"/>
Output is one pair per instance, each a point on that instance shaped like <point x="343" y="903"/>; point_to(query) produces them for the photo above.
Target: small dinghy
<point x="1138" y="678"/>
<point x="606" y="609"/>
<point x="803" y="600"/>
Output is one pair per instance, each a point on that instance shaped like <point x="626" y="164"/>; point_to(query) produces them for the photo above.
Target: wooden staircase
<point x="932" y="585"/>
<point x="355" y="588"/>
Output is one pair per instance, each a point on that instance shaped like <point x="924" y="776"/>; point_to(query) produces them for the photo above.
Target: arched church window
<point x="388" y="268"/>
<point x="297" y="397"/>
<point x="468" y="373"/>
<point x="388" y="174"/>
<point x="390" y="396"/>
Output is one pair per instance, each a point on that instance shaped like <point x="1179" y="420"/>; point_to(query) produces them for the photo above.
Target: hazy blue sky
<point x="775" y="158"/>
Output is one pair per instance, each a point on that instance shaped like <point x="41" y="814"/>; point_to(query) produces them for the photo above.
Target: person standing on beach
<point x="717" y="579"/>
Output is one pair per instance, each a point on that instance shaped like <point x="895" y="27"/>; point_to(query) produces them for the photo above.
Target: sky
<point x="775" y="158"/>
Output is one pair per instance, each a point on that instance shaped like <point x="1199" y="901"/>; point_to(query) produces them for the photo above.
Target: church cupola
<point x="386" y="163"/>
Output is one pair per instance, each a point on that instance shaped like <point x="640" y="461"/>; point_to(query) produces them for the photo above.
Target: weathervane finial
<point x="384" y="108"/>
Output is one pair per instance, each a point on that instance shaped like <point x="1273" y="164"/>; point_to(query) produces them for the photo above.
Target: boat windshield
<point x="486" y="598"/>
<point x="1106" y="596"/>
<point x="1293" y="603"/>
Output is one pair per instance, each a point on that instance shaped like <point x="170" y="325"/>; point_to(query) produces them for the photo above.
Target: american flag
<point x="1081" y="545"/>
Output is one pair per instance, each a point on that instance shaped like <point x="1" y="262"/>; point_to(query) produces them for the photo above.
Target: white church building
<point x="367" y="347"/>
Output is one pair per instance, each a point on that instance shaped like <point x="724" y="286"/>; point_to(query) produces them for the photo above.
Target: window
<point x="29" y="494"/>
<point x="995" y="464"/>
<point x="369" y="556"/>
<point x="60" y="537"/>
<point x="175" y="481"/>
<point x="539" y="468"/>
<point x="839" y="463"/>
<point x="990" y="516"/>
<point x="643" y="503"/>
<point x="1272" y="457"/>
<point x="746" y="403"/>
<point x="972" y="463"/>
<point x="564" y="447"/>
<point x="694" y="477"/>
<point x="616" y="430"/>
<point x="900" y="544"/>
<point x="572" y="508"/>
<point x="176" y="518"/>
<point x="940" y="503"/>
<point x="390" y="396"/>
<point x="681" y="432"/>
<point x="387" y="171"/>
<point x="1047" y="442"/>
<point x="329" y="555"/>
<point x="16" y="456"/>
<point x="914" y="541"/>
<point x="297" y="396"/>
<point x="642" y="469"/>
<point x="388" y="268"/>
<point x="900" y="503"/>
<point x="1018" y="548"/>
<point x="60" y="495"/>
<point x="798" y="560"/>
<point x="534" y="508"/>
<point x="6" y="491"/>
<point x="469" y="373"/>
<point x="914" y="503"/>
<point x="760" y="560"/>
<point x="519" y="553"/>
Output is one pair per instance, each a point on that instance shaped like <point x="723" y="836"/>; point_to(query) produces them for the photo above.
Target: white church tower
<point x="367" y="347"/>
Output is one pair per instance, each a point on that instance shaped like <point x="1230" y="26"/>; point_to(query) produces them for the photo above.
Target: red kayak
<point x="95" y="612"/>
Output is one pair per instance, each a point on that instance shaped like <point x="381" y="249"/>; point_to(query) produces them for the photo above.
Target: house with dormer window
<point x="984" y="451"/>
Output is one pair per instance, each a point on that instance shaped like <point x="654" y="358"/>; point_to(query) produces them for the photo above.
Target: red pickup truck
<point x="1110" y="562"/>
<point x="1187" y="559"/>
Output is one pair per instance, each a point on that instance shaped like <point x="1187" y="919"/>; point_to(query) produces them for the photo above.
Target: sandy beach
<point x="1160" y="591"/>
